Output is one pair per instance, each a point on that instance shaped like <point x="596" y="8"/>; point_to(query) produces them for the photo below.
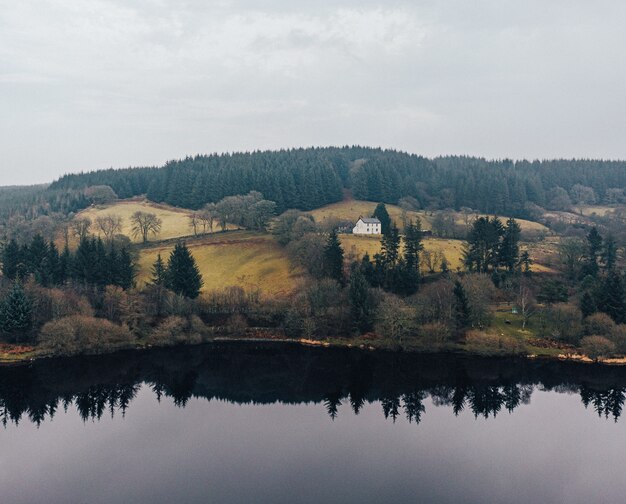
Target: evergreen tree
<point x="588" y="304"/>
<point x="390" y="247"/>
<point x="54" y="266"/>
<point x="380" y="212"/>
<point x="461" y="306"/>
<point x="65" y="265"/>
<point x="509" y="248"/>
<point x="609" y="253"/>
<point x="11" y="259"/>
<point x="126" y="271"/>
<point x="183" y="276"/>
<point x="594" y="249"/>
<point x="525" y="261"/>
<point x="361" y="302"/>
<point x="612" y="297"/>
<point x="16" y="314"/>
<point x="333" y="258"/>
<point x="158" y="272"/>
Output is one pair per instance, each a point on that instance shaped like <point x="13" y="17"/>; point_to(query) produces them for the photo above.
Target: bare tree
<point x="195" y="222"/>
<point x="145" y="224"/>
<point x="80" y="227"/>
<point x="208" y="214"/>
<point x="109" y="225"/>
<point x="525" y="303"/>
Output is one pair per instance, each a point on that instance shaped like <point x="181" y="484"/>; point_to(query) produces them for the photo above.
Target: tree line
<point x="309" y="178"/>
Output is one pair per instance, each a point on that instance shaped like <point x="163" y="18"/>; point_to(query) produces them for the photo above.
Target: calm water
<point x="244" y="423"/>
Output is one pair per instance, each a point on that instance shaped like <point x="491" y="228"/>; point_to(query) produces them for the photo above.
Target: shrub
<point x="78" y="334"/>
<point x="169" y="332"/>
<point x="597" y="346"/>
<point x="434" y="336"/>
<point x="599" y="324"/>
<point x="618" y="337"/>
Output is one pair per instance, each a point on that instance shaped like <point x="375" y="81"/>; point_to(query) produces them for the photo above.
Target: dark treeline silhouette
<point x="268" y="373"/>
<point x="309" y="178"/>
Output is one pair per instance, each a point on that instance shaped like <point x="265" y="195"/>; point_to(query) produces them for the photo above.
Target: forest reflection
<point x="333" y="378"/>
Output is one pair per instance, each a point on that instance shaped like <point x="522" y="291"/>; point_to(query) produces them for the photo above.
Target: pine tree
<point x="461" y="306"/>
<point x="612" y="300"/>
<point x="594" y="249"/>
<point x="183" y="276"/>
<point x="333" y="258"/>
<point x="126" y="270"/>
<point x="509" y="248"/>
<point x="380" y="212"/>
<point x="609" y="253"/>
<point x="16" y="314"/>
<point x="11" y="260"/>
<point x="158" y="272"/>
<point x="361" y="303"/>
<point x="588" y="304"/>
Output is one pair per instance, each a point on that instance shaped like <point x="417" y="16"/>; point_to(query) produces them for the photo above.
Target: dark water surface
<point x="242" y="423"/>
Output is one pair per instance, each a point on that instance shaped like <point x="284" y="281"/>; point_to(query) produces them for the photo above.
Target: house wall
<point x="363" y="228"/>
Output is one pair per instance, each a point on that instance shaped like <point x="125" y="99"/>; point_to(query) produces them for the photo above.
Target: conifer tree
<point x="380" y="212"/>
<point x="183" y="275"/>
<point x="594" y="249"/>
<point x="361" y="303"/>
<point x="588" y="304"/>
<point x="11" y="260"/>
<point x="333" y="258"/>
<point x="461" y="306"/>
<point x="509" y="248"/>
<point x="612" y="299"/>
<point x="16" y="314"/>
<point x="126" y="270"/>
<point x="158" y="272"/>
<point x="609" y="253"/>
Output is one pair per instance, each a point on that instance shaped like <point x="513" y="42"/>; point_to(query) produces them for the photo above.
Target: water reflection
<point x="333" y="378"/>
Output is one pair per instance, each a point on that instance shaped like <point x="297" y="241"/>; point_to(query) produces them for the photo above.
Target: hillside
<point x="175" y="220"/>
<point x="250" y="260"/>
<point x="350" y="210"/>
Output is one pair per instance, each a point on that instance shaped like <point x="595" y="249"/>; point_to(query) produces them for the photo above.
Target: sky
<point x="91" y="84"/>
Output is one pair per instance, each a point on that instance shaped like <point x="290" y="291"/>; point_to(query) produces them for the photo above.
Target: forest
<point x="309" y="178"/>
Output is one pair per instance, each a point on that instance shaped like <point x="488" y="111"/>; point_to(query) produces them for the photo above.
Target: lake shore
<point x="16" y="355"/>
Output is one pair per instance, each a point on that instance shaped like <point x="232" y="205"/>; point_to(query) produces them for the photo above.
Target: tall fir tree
<point x="16" y="317"/>
<point x="509" y="247"/>
<point x="380" y="212"/>
<point x="361" y="303"/>
<point x="183" y="275"/>
<point x="461" y="306"/>
<point x="11" y="259"/>
<point x="158" y="272"/>
<point x="333" y="258"/>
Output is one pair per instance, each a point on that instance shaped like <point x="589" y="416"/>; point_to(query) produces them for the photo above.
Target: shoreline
<point x="33" y="354"/>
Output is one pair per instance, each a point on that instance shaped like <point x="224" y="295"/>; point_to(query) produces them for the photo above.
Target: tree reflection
<point x="403" y="385"/>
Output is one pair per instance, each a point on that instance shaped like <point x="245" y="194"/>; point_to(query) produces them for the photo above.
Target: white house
<point x="367" y="226"/>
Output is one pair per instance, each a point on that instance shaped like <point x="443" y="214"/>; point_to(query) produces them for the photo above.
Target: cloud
<point x="86" y="84"/>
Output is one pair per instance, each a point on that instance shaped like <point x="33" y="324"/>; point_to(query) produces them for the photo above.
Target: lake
<point x="238" y="423"/>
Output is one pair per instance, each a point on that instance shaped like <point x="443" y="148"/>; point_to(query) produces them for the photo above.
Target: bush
<point x="169" y="332"/>
<point x="434" y="336"/>
<point x="599" y="324"/>
<point x="562" y="322"/>
<point x="79" y="334"/>
<point x="597" y="346"/>
<point x="618" y="337"/>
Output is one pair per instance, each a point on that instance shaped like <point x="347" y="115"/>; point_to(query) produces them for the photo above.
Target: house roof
<point x="368" y="220"/>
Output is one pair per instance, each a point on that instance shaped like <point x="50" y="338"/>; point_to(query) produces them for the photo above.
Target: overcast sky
<point x="92" y="84"/>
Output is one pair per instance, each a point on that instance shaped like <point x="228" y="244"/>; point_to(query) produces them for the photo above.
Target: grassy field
<point x="250" y="260"/>
<point x="356" y="246"/>
<point x="352" y="209"/>
<point x="175" y="220"/>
